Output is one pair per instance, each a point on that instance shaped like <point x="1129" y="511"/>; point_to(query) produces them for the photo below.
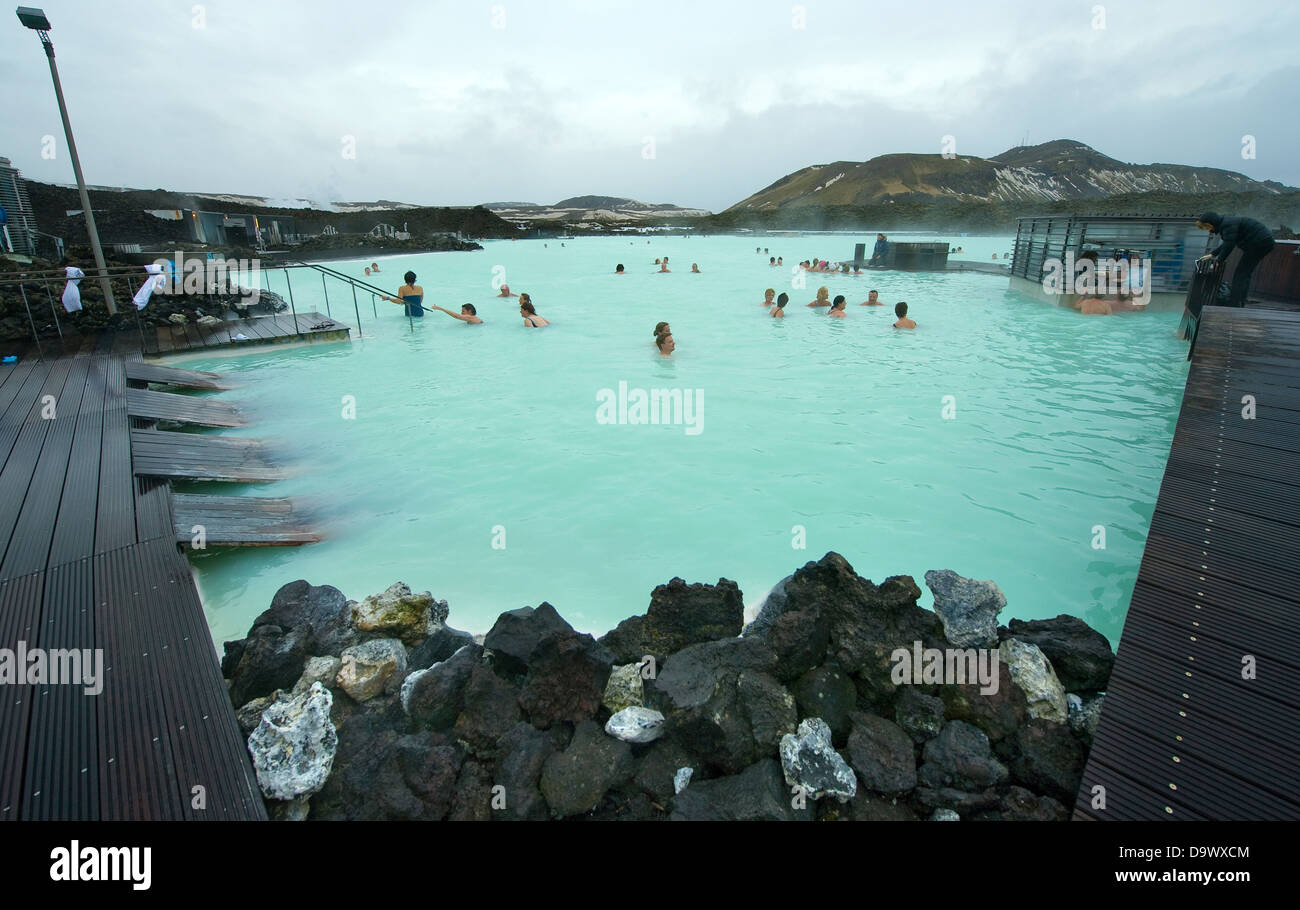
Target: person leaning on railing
<point x="1255" y="240"/>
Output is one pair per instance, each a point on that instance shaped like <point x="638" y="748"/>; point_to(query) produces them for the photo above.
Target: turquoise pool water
<point x="466" y="438"/>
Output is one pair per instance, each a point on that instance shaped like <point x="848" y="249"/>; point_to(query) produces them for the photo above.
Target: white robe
<point x="152" y="283"/>
<point x="71" y="295"/>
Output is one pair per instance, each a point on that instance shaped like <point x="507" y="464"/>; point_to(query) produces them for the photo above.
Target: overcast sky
<point x="693" y="103"/>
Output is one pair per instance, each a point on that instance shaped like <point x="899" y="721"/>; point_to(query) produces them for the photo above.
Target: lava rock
<point x="679" y="615"/>
<point x="881" y="752"/>
<point x="799" y="640"/>
<point x="523" y="752"/>
<point x="574" y="781"/>
<point x="436" y="697"/>
<point x="1084" y="716"/>
<point x="566" y="680"/>
<point x="625" y="689"/>
<point x="658" y="770"/>
<point x="756" y="794"/>
<point x="636" y="725"/>
<point x="250" y="715"/>
<point x="960" y="757"/>
<point x="920" y="715"/>
<point x="440" y="645"/>
<point x="293" y="746"/>
<point x="1051" y="760"/>
<point x="372" y="667"/>
<point x="323" y="670"/>
<point x="1080" y="655"/>
<point x="1032" y="674"/>
<point x="958" y="801"/>
<point x="998" y="714"/>
<point x="398" y="613"/>
<point x="1020" y="805"/>
<point x="810" y="761"/>
<point x="491" y="709"/>
<point x="872" y="807"/>
<point x="968" y="608"/>
<point x="827" y="692"/>
<point x="519" y="636"/>
<point x="945" y="815"/>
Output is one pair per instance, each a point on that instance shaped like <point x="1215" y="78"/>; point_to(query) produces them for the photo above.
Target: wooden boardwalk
<point x="283" y="328"/>
<point x="1183" y="735"/>
<point x="141" y="374"/>
<point x="184" y="409"/>
<point x="88" y="560"/>
<point x="240" y="521"/>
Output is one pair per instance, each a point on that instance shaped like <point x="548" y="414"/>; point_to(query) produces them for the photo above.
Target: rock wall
<point x="380" y="710"/>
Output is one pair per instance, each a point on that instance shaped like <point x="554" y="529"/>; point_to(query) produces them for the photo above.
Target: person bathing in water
<point x="618" y="269"/>
<point x="665" y="344"/>
<point x="778" y="311"/>
<point x="663" y="267"/>
<point x="662" y="328"/>
<point x="506" y="292"/>
<point x="769" y="298"/>
<point x="837" y="308"/>
<point x="900" y="310"/>
<point x="531" y="319"/>
<point x="410" y="296"/>
<point x="873" y="299"/>
<point x="823" y="297"/>
<point x="695" y="268"/>
<point x="467" y="313"/>
<point x="374" y="268"/>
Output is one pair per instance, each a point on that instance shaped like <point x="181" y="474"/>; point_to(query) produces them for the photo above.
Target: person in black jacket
<point x="1255" y="240"/>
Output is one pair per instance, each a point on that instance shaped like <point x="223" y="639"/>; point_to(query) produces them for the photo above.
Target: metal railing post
<point x="40" y="351"/>
<point x="356" y="309"/>
<point x="292" y="309"/>
<point x="54" y="312"/>
<point x="327" y="295"/>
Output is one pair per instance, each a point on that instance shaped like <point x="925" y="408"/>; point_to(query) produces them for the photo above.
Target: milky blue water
<point x="1004" y="438"/>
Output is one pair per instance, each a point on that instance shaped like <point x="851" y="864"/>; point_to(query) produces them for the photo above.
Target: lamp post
<point x="35" y="19"/>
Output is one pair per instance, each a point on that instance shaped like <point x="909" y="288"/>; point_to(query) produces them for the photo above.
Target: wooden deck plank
<point x="1183" y="735"/>
<point x="185" y="409"/>
<point x="144" y="371"/>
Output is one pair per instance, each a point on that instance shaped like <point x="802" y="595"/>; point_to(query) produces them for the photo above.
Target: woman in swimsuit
<point x="531" y="319"/>
<point x="410" y="296"/>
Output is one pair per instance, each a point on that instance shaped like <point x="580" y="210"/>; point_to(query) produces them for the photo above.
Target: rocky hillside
<point x="1055" y="171"/>
<point x="379" y="710"/>
<point x="591" y="208"/>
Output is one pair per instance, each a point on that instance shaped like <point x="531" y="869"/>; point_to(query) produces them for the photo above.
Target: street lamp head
<point x="33" y="18"/>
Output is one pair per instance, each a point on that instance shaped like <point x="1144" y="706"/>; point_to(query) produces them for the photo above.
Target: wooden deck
<point x="190" y="456"/>
<point x="1182" y="734"/>
<point x="240" y="521"/>
<point x="183" y="409"/>
<point x="283" y="328"/>
<point x="141" y="374"/>
<point x="88" y="560"/>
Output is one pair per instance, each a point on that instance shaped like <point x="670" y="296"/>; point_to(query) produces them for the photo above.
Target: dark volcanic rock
<point x="379" y="775"/>
<point x="828" y="693"/>
<point x="798" y="639"/>
<point x="438" y="647"/>
<point x="872" y="807"/>
<point x="881" y="752"/>
<point x="574" y="781"/>
<point x="472" y="796"/>
<point x="658" y="769"/>
<point x="960" y="757"/>
<point x="758" y="793"/>
<point x="967" y="607"/>
<point x="524" y="750"/>
<point x="721" y="703"/>
<point x="491" y="708"/>
<point x="1019" y="805"/>
<point x="866" y="622"/>
<point x="436" y="697"/>
<point x="1080" y="655"/>
<point x="303" y="620"/>
<point x="920" y="715"/>
<point x="520" y="635"/>
<point x="959" y="801"/>
<point x="1051" y="760"/>
<point x="566" y="680"/>
<point x="679" y="615"/>
<point x="998" y="714"/>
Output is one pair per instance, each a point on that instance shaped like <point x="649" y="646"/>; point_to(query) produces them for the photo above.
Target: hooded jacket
<point x="1238" y="231"/>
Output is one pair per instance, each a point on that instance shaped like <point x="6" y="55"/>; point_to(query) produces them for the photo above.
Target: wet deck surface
<point x="1183" y="735"/>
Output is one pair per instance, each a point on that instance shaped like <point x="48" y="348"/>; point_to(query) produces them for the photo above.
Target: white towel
<point x="72" y="296"/>
<point x="152" y="283"/>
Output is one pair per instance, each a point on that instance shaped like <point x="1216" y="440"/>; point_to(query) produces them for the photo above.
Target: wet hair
<point x="410" y="277"/>
<point x="619" y="267"/>
<point x="900" y="309"/>
<point x="771" y="259"/>
<point x="873" y="291"/>
<point x="839" y="299"/>
<point x="782" y="300"/>
<point x="823" y="292"/>
<point x="769" y="291"/>
<point x="527" y="306"/>
<point x="470" y="307"/>
<point x="659" y="329"/>
<point x="524" y="298"/>
<point x="662" y="339"/>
